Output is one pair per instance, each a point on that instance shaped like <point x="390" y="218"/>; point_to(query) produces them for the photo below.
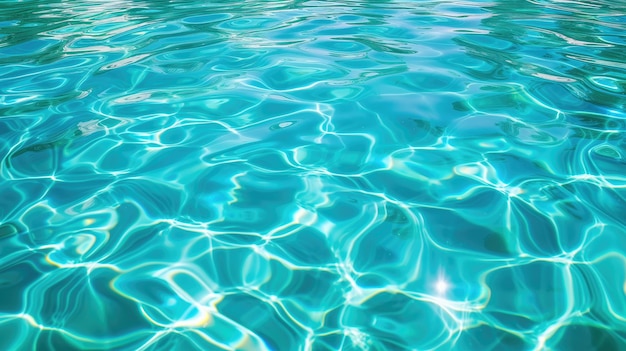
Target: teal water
<point x="312" y="175"/>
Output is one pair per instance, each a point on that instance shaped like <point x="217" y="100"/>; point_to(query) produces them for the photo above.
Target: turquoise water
<point x="312" y="175"/>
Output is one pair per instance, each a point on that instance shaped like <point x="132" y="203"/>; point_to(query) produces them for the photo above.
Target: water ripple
<point x="308" y="175"/>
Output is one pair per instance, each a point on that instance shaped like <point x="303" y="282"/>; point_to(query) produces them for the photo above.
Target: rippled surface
<point x="307" y="175"/>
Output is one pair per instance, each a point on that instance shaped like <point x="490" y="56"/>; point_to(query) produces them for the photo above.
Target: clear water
<point x="312" y="175"/>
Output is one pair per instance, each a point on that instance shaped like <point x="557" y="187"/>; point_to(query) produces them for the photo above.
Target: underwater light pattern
<point x="312" y="175"/>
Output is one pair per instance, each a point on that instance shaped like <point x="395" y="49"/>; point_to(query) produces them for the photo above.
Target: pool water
<point x="312" y="175"/>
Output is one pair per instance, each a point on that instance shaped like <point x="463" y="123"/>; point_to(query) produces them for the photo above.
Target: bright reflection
<point x="442" y="285"/>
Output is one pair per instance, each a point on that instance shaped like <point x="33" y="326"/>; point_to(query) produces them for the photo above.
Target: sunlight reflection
<point x="442" y="286"/>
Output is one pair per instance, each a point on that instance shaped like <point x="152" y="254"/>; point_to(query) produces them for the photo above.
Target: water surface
<point x="312" y="175"/>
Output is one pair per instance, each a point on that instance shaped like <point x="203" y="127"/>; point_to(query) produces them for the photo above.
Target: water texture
<point x="312" y="175"/>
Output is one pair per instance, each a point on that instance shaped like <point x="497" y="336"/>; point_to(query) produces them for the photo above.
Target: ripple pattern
<point x="312" y="175"/>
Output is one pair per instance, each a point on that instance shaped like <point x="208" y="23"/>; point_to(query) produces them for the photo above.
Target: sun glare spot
<point x="442" y="286"/>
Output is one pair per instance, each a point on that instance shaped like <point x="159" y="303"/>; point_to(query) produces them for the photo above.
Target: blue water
<point x="313" y="175"/>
